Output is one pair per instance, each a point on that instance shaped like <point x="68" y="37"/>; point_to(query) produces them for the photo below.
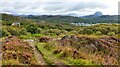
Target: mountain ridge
<point x="61" y="18"/>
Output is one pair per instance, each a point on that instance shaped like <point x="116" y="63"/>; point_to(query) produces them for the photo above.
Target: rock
<point x="44" y="39"/>
<point x="57" y="51"/>
<point x="65" y="37"/>
<point x="27" y="55"/>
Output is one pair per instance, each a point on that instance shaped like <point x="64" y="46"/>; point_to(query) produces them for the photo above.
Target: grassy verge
<point x="46" y="54"/>
<point x="30" y="36"/>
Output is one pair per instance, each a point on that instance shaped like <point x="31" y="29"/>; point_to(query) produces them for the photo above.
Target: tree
<point x="32" y="28"/>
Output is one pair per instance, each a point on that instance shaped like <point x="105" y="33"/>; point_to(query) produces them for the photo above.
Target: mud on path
<point x="38" y="55"/>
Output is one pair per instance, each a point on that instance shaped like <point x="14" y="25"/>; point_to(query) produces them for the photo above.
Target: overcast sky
<point x="58" y="7"/>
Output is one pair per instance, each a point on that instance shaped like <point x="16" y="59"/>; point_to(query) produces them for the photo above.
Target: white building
<point x="16" y="24"/>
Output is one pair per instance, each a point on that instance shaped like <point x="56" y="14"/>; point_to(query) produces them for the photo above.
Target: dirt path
<point x="38" y="55"/>
<point x="40" y="59"/>
<point x="51" y="57"/>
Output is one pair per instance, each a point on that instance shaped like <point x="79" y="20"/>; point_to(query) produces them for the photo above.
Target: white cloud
<point x="79" y="7"/>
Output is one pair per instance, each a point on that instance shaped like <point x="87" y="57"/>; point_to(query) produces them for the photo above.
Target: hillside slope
<point x="8" y="19"/>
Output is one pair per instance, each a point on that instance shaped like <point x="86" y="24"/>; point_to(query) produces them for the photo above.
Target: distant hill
<point x="98" y="17"/>
<point x="96" y="14"/>
<point x="95" y="18"/>
<point x="8" y="17"/>
<point x="103" y="19"/>
<point x="56" y="18"/>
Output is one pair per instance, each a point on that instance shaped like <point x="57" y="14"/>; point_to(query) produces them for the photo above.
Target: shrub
<point x="63" y="54"/>
<point x="98" y="33"/>
<point x="32" y="29"/>
<point x="4" y="32"/>
<point x="23" y="31"/>
<point x="55" y="31"/>
<point x="25" y="36"/>
<point x="78" y="61"/>
<point x="39" y="30"/>
<point x="111" y="33"/>
<point x="13" y="31"/>
<point x="86" y="31"/>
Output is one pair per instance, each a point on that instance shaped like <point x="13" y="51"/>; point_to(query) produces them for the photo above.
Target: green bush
<point x="32" y="28"/>
<point x="111" y="33"/>
<point x="13" y="30"/>
<point x="79" y="61"/>
<point x="4" y="32"/>
<point x="98" y="33"/>
<point x="39" y="30"/>
<point x="25" y="36"/>
<point x="36" y="35"/>
<point x="63" y="54"/>
<point x="23" y="31"/>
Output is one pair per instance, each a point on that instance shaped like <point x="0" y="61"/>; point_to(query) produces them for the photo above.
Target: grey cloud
<point x="80" y="6"/>
<point x="20" y="5"/>
<point x="48" y="7"/>
<point x="64" y="7"/>
<point x="53" y="6"/>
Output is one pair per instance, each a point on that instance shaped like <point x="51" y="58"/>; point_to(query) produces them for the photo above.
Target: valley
<point x="55" y="41"/>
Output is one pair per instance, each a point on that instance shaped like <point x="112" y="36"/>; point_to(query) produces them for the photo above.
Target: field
<point x="51" y="43"/>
